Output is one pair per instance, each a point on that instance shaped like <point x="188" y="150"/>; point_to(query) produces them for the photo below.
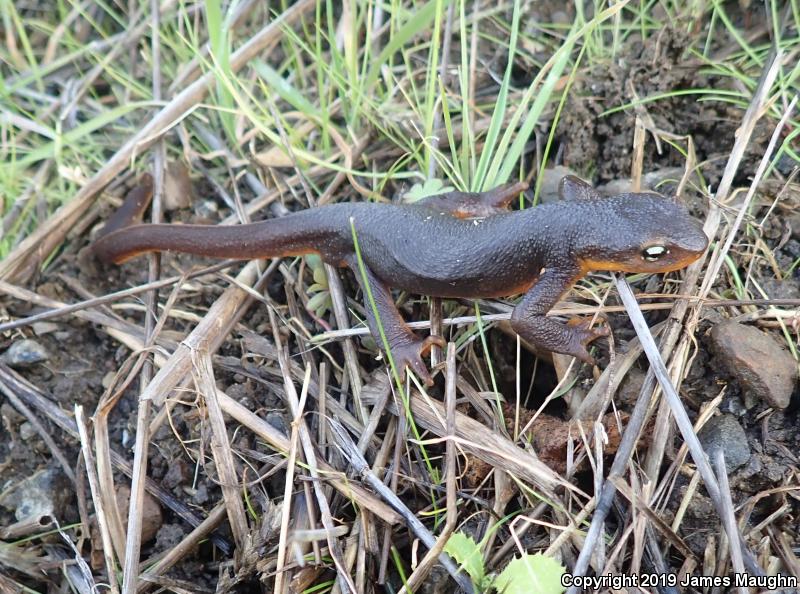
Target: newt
<point x="458" y="245"/>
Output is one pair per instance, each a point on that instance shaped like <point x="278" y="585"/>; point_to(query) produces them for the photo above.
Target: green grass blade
<point x="418" y="22"/>
<point x="499" y="113"/>
<point x="49" y="150"/>
<point x="554" y="67"/>
<point x="276" y="83"/>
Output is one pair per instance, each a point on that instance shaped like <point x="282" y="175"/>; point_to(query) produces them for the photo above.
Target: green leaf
<point x="508" y="153"/>
<point x="511" y="156"/>
<point x="530" y="573"/>
<point x="468" y="555"/>
<point x="220" y="44"/>
<point x="216" y="29"/>
<point x="313" y="261"/>
<point x="320" y="303"/>
<point x="431" y="187"/>
<point x="320" y="277"/>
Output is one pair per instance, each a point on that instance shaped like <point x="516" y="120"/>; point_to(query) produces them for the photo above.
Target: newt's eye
<point x="654" y="252"/>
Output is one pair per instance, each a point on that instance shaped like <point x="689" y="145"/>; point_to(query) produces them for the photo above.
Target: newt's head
<point x="641" y="232"/>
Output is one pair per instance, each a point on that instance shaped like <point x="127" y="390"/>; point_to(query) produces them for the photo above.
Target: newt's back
<point x="428" y="251"/>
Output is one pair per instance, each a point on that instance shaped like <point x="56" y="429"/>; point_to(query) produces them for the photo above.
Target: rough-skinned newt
<point x="458" y="245"/>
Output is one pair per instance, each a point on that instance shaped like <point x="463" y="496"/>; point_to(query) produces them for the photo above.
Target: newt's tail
<point x="296" y="234"/>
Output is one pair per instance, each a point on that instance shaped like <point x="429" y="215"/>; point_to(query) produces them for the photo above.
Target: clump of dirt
<point x="599" y="143"/>
<point x="83" y="357"/>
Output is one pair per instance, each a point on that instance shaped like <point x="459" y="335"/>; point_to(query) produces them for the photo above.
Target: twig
<point x="729" y="517"/>
<point x="482" y="442"/>
<point x="215" y="517"/>
<point x="288" y="489"/>
<point x="679" y="413"/>
<point x="110" y="298"/>
<point x="280" y="442"/>
<point x="361" y="467"/>
<point x="133" y="540"/>
<point x="719" y="257"/>
<point x="45" y="403"/>
<point x="672" y="333"/>
<point x="221" y="450"/>
<point x="94" y="487"/>
<point x="23" y="409"/>
<point x="296" y="406"/>
<point x="566" y="311"/>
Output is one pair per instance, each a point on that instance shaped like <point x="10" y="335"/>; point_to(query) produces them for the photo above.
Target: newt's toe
<point x="583" y="334"/>
<point x="430" y="341"/>
<point x="409" y="355"/>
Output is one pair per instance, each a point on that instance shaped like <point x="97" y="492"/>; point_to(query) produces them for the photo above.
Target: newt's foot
<point x="581" y="334"/>
<point x="409" y="353"/>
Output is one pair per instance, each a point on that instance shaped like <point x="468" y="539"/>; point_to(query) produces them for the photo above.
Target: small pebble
<point x="277" y="420"/>
<point x="26" y="431"/>
<point x="551" y="178"/>
<point x="151" y="514"/>
<point x="25" y="353"/>
<point x="793" y="220"/>
<point x="45" y="493"/>
<point x="178" y="190"/>
<point x="108" y="379"/>
<point x="724" y="432"/>
<point x="206" y="209"/>
<point x="40" y="328"/>
<point x="663" y="181"/>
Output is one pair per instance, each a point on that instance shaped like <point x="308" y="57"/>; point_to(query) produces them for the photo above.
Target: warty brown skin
<point x="458" y="245"/>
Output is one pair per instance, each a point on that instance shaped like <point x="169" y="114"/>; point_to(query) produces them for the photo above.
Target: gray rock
<point x="664" y="181"/>
<point x="206" y="209"/>
<point x="550" y="179"/>
<point x="40" y="328"/>
<point x="45" y="493"/>
<point x="785" y="288"/>
<point x="793" y="220"/>
<point x="438" y="582"/>
<point x="756" y="361"/>
<point x="724" y="432"/>
<point x="629" y="389"/>
<point x="25" y="353"/>
<point x="26" y="431"/>
<point x="735" y="406"/>
<point x="277" y="420"/>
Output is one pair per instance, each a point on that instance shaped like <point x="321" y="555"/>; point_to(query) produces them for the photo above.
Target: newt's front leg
<point x="529" y="321"/>
<point x="406" y="347"/>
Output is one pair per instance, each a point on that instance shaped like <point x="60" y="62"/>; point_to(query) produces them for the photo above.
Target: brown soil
<point x="82" y="358"/>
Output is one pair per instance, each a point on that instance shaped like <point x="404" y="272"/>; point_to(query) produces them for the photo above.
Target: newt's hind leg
<point x="406" y="347"/>
<point x="467" y="205"/>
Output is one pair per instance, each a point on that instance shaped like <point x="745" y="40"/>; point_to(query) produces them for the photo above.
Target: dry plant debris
<point x="189" y="426"/>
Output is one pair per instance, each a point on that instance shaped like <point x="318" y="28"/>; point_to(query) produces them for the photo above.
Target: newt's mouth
<point x="676" y="259"/>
